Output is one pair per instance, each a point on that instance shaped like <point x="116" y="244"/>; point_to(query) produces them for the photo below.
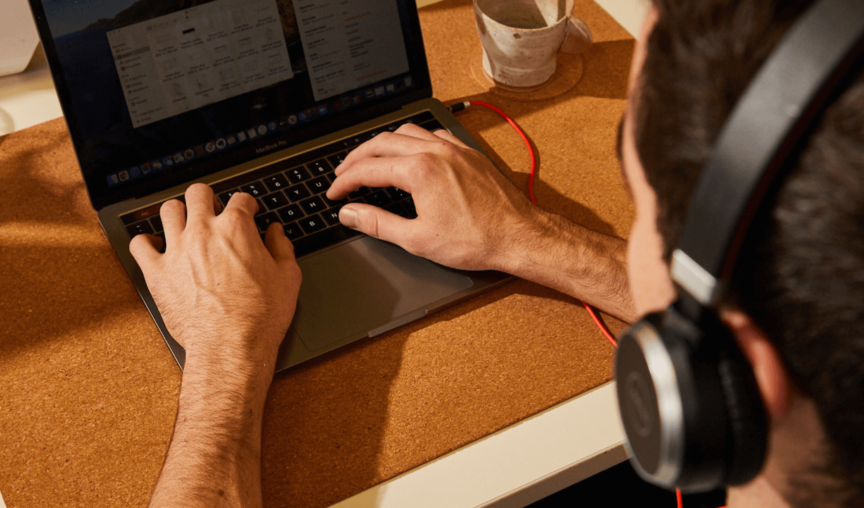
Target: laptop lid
<point x="158" y="92"/>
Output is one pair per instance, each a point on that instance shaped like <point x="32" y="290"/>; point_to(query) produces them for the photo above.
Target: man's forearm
<point x="587" y="265"/>
<point x="214" y="459"/>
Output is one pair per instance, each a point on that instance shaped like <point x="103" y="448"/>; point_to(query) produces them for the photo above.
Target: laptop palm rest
<point x="362" y="286"/>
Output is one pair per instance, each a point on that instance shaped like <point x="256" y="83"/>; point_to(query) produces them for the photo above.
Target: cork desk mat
<point x="88" y="390"/>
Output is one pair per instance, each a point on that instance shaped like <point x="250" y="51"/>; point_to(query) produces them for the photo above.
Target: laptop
<point x="258" y="96"/>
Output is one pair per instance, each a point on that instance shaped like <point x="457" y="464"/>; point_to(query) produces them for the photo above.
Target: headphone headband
<point x="793" y="87"/>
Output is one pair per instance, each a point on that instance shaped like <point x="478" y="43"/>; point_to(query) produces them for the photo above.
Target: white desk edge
<point x="515" y="466"/>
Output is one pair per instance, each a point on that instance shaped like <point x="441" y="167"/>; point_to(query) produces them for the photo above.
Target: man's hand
<point x="224" y="296"/>
<point x="469" y="216"/>
<point x="468" y="212"/>
<point x="228" y="300"/>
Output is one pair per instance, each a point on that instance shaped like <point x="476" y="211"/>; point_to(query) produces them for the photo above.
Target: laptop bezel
<point x="101" y="195"/>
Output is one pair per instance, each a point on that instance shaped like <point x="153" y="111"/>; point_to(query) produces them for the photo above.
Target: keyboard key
<point x="358" y="193"/>
<point x="397" y="209"/>
<point x="225" y="196"/>
<point x="331" y="216"/>
<point x="313" y="205"/>
<point x="433" y="126"/>
<point x="298" y="192"/>
<point x="157" y="224"/>
<point x="331" y="203"/>
<point x="293" y="231"/>
<point x="319" y="167"/>
<point x="409" y="207"/>
<point x="337" y="159"/>
<point x="275" y="200"/>
<point x="142" y="214"/>
<point x="351" y="142"/>
<point x="290" y="213"/>
<point x="298" y="174"/>
<point x="265" y="220"/>
<point x="139" y="228"/>
<point x="331" y="177"/>
<point x="319" y="185"/>
<point x="256" y="189"/>
<point x="276" y="182"/>
<point x="397" y="194"/>
<point x="312" y="224"/>
<point x="379" y="199"/>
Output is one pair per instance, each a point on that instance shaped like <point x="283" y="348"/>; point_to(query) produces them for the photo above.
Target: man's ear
<point x="774" y="382"/>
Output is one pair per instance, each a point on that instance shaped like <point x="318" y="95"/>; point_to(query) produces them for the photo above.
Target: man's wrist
<point x="525" y="237"/>
<point x="228" y="372"/>
<point x="557" y="253"/>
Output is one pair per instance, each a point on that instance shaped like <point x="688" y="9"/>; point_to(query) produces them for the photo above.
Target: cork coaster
<point x="567" y="75"/>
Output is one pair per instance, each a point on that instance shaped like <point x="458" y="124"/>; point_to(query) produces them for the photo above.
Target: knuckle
<point x="246" y="200"/>
<point x="408" y="128"/>
<point x="234" y="217"/>
<point x="449" y="150"/>
<point x="387" y="136"/>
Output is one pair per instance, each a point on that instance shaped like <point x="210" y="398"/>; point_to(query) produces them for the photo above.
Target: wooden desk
<point x="89" y="390"/>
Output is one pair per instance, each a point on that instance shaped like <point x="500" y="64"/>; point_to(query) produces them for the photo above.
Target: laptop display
<point x="156" y="89"/>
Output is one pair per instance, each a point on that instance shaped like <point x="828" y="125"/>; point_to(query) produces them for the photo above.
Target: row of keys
<point x="295" y="198"/>
<point x="278" y="198"/>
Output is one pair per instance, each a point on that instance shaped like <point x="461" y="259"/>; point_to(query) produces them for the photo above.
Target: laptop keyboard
<point x="292" y="193"/>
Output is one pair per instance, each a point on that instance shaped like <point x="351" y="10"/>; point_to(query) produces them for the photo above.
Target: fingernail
<point x="348" y="217"/>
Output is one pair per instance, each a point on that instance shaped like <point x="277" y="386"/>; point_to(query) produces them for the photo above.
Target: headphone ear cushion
<point x="746" y="419"/>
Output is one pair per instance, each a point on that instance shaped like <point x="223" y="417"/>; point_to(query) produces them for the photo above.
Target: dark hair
<point x="800" y="275"/>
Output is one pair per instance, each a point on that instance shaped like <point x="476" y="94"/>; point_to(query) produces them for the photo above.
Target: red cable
<point x="519" y="131"/>
<point x="600" y="325"/>
<point x="679" y="498"/>
<point x="524" y="138"/>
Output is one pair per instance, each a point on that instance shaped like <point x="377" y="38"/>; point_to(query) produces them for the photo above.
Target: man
<point x="691" y="64"/>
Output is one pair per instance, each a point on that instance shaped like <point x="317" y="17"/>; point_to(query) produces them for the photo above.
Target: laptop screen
<point x="157" y="92"/>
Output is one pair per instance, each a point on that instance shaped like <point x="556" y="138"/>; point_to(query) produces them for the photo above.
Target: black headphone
<point x="688" y="398"/>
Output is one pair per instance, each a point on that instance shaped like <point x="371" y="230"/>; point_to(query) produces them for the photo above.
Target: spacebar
<point x="326" y="238"/>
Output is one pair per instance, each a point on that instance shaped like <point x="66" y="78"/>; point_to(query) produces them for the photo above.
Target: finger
<point x="199" y="202"/>
<point x="173" y="215"/>
<point x="373" y="172"/>
<point x="448" y="136"/>
<point x="279" y="245"/>
<point x="387" y="144"/>
<point x="145" y="250"/>
<point x="244" y="203"/>
<point x="376" y="223"/>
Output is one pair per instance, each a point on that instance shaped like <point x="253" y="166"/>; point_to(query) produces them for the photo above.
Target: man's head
<point x="795" y="298"/>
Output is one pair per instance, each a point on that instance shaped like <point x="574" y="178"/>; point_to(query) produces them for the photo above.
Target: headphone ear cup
<point x="745" y="412"/>
<point x="689" y="403"/>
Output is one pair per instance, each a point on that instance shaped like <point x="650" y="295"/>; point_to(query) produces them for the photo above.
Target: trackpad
<point x="363" y="285"/>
